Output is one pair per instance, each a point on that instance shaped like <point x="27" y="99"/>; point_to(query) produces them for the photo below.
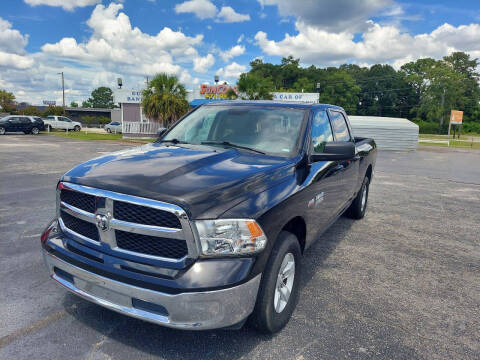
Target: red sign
<point x="216" y="89"/>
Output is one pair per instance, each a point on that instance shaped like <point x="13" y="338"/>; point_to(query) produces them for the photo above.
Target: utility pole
<point x="63" y="88"/>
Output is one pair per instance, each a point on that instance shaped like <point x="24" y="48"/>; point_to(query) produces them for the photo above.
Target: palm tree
<point x="164" y="99"/>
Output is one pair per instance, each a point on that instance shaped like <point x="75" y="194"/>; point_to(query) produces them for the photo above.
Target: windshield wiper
<point x="174" y="141"/>
<point x="228" y="143"/>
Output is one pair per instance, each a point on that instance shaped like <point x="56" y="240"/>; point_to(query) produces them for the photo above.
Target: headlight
<point x="230" y="237"/>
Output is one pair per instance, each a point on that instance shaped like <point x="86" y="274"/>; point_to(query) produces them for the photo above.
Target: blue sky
<point x="95" y="41"/>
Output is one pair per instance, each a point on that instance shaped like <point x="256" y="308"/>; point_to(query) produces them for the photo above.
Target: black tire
<point x="34" y="131"/>
<point x="77" y="128"/>
<point x="358" y="208"/>
<point x="109" y="130"/>
<point x="264" y="317"/>
<point x="2" y="130"/>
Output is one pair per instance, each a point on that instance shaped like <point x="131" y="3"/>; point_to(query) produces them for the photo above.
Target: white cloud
<point x="12" y="48"/>
<point x="232" y="71"/>
<point x="11" y="40"/>
<point x="228" y="15"/>
<point x="203" y="9"/>
<point x="114" y="48"/>
<point x="68" y="5"/>
<point x="15" y="61"/>
<point x="335" y="15"/>
<point x="202" y="64"/>
<point x="237" y="50"/>
<point x="114" y="40"/>
<point x="240" y="38"/>
<point x="379" y="44"/>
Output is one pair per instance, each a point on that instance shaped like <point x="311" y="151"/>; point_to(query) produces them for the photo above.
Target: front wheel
<point x="358" y="208"/>
<point x="2" y="130"/>
<point x="109" y="130"/>
<point x="278" y="292"/>
<point x="77" y="128"/>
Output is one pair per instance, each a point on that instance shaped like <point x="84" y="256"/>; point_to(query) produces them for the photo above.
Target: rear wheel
<point x="109" y="130"/>
<point x="358" y="207"/>
<point x="278" y="292"/>
<point x="77" y="128"/>
<point x="35" y="131"/>
<point x="2" y="130"/>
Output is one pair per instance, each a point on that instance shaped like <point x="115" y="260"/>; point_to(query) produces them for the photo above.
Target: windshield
<point x="269" y="130"/>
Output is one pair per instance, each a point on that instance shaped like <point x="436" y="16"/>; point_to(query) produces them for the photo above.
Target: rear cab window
<point x="340" y="128"/>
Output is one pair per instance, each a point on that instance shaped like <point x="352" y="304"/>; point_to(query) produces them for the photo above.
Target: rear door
<point x="25" y="124"/>
<point x="349" y="167"/>
<point x="321" y="196"/>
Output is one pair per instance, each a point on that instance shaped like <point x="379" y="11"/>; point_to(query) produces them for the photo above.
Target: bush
<point x="95" y="120"/>
<point x="471" y="127"/>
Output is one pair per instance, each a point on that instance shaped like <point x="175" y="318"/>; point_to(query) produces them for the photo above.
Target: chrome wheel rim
<point x="284" y="285"/>
<point x="364" y="197"/>
<point x="35" y="131"/>
<point x="2" y="131"/>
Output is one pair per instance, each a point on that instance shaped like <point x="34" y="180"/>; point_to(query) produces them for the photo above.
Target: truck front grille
<point x="78" y="199"/>
<point x="121" y="224"/>
<point x="81" y="227"/>
<point x="151" y="245"/>
<point x="144" y="215"/>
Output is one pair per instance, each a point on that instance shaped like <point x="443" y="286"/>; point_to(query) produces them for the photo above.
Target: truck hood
<point x="204" y="180"/>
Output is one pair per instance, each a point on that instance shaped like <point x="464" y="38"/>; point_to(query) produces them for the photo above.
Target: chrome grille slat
<point x="144" y="240"/>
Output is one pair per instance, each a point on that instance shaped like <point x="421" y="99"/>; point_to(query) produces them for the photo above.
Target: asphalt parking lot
<point x="403" y="283"/>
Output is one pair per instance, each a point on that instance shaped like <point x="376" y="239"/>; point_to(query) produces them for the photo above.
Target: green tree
<point x="165" y="99"/>
<point x="73" y="104"/>
<point x="7" y="101"/>
<point x="439" y="86"/>
<point x="255" y="87"/>
<point x="101" y="97"/>
<point x="54" y="110"/>
<point x="303" y="84"/>
<point x="31" y="111"/>
<point x="231" y="94"/>
<point x="339" y="88"/>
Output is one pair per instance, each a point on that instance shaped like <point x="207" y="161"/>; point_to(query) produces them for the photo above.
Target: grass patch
<point x="81" y="135"/>
<point x="454" y="144"/>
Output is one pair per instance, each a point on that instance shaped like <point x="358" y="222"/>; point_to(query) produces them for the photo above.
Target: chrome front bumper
<point x="194" y="311"/>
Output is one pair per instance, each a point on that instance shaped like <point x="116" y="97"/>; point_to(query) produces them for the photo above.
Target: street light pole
<point x="63" y="88"/>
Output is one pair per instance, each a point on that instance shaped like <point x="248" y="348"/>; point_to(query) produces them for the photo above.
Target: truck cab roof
<point x="271" y="103"/>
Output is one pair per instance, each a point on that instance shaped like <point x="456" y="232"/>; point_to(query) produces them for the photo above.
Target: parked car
<point x="206" y="227"/>
<point x="113" y="127"/>
<point x="61" y="122"/>
<point x="21" y="123"/>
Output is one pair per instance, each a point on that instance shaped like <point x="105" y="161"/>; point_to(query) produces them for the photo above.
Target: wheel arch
<point x="298" y="227"/>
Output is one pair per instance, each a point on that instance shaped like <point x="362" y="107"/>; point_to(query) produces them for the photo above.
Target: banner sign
<point x="456" y="117"/>
<point x="49" y="102"/>
<point x="300" y="97"/>
<point x="125" y="96"/>
<point x="216" y="91"/>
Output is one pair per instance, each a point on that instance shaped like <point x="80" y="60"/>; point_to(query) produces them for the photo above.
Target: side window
<point x="321" y="131"/>
<point x="25" y="120"/>
<point x="340" y="127"/>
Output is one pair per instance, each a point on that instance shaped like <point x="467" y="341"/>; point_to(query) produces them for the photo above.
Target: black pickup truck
<point x="206" y="227"/>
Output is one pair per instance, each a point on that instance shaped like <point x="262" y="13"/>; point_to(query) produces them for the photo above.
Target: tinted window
<point x="321" y="131"/>
<point x="51" y="117"/>
<point x="25" y="120"/>
<point x="339" y="126"/>
<point x="37" y="119"/>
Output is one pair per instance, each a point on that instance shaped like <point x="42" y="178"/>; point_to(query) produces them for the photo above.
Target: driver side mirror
<point x="161" y="131"/>
<point x="335" y="151"/>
